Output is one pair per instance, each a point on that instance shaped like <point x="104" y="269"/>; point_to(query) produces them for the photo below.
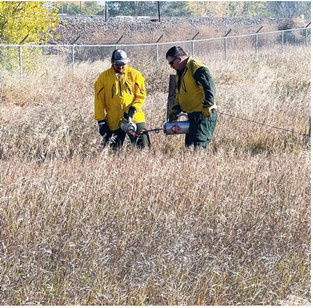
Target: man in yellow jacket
<point x="119" y="96"/>
<point x="195" y="95"/>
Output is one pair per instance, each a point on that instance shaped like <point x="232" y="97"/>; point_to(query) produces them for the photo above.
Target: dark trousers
<point x="115" y="138"/>
<point x="201" y="129"/>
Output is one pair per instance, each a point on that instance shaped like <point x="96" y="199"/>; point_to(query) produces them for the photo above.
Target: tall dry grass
<point x="165" y="225"/>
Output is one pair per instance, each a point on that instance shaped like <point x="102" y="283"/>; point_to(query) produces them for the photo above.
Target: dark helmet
<point x="119" y="57"/>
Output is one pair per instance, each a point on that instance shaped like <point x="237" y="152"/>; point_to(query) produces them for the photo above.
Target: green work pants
<point x="201" y="129"/>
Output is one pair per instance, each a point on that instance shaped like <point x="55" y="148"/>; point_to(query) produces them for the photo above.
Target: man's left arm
<point x="203" y="77"/>
<point x="140" y="92"/>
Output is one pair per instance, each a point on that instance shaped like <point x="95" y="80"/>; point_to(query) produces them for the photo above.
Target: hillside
<point x="95" y="30"/>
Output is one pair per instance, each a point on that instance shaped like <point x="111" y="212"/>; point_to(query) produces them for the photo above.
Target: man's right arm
<point x="99" y="100"/>
<point x="99" y="107"/>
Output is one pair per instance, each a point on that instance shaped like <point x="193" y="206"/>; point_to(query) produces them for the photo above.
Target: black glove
<point x="172" y="116"/>
<point x="103" y="127"/>
<point x="130" y="113"/>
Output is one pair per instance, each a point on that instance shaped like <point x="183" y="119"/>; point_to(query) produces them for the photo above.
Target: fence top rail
<point x="155" y="43"/>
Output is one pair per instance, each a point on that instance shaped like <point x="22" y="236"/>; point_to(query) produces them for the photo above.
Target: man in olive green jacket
<point x="195" y="95"/>
<point x="119" y="95"/>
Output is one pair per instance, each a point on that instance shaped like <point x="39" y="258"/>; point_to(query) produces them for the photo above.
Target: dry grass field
<point x="165" y="225"/>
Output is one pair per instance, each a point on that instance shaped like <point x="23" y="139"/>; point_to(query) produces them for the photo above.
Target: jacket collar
<point x="188" y="61"/>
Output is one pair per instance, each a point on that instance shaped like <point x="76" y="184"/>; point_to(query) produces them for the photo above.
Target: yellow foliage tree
<point x="34" y="19"/>
<point x="31" y="22"/>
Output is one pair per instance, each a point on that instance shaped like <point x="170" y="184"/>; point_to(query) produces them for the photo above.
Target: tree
<point x="26" y="18"/>
<point x="91" y="8"/>
<point x="174" y="8"/>
<point x="148" y="8"/>
<point x="260" y="9"/>
<point x="255" y="9"/>
<point x="69" y="8"/>
<point x="84" y="8"/>
<point x="202" y="8"/>
<point x="245" y="9"/>
<point x="289" y="9"/>
<point x="27" y="21"/>
<point x="113" y="8"/>
<point x="137" y="8"/>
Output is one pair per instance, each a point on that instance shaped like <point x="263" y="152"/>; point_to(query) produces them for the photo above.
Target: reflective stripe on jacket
<point x="114" y="96"/>
<point x="195" y="87"/>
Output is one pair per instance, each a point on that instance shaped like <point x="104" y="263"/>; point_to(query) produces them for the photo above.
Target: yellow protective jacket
<point x="114" y="96"/>
<point x="195" y="87"/>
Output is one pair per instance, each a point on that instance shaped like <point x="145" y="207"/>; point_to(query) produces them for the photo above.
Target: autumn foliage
<point x="30" y="19"/>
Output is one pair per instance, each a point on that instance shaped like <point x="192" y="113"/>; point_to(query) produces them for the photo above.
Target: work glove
<point x="206" y="112"/>
<point x="172" y="116"/>
<point x="207" y="108"/>
<point x="103" y="127"/>
<point x="130" y="113"/>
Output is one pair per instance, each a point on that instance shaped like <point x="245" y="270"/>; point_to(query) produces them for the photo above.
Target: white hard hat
<point x="119" y="57"/>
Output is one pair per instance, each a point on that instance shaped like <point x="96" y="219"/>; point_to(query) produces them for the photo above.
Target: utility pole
<point x="105" y="10"/>
<point x="159" y="15"/>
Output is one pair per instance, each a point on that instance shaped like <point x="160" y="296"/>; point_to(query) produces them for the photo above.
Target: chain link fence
<point x="227" y="47"/>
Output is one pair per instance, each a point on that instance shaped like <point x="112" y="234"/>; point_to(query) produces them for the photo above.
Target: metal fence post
<point x="306" y="37"/>
<point x="73" y="58"/>
<point x="225" y="44"/>
<point x="20" y="56"/>
<point x="20" y="62"/>
<point x="73" y="53"/>
<point x="257" y="44"/>
<point x="157" y="47"/>
<point x="118" y="41"/>
<point x="193" y="44"/>
<point x="306" y="34"/>
<point x="225" y="48"/>
<point x="192" y="47"/>
<point x="257" y="41"/>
